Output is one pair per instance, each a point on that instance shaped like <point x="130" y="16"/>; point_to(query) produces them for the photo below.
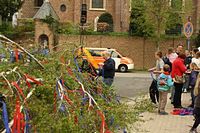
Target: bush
<point x="106" y="18"/>
<point x="26" y="25"/>
<point x="67" y="28"/>
<point x="197" y="40"/>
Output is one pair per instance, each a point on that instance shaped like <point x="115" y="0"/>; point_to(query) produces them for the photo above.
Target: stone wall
<point x="140" y="50"/>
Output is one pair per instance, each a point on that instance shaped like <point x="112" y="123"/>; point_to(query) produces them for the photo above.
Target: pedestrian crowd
<point x="177" y="71"/>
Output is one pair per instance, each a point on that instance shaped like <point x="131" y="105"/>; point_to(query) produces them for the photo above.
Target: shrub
<point x="107" y="18"/>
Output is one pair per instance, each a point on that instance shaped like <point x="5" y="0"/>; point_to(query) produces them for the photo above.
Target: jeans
<point x="162" y="101"/>
<point x="108" y="81"/>
<point x="192" y="96"/>
<point x="177" y="95"/>
<point x="172" y="94"/>
<point x="153" y="91"/>
<point x="197" y="118"/>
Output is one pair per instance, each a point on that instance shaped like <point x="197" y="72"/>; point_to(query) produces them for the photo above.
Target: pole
<point x="20" y="47"/>
<point x="188" y="43"/>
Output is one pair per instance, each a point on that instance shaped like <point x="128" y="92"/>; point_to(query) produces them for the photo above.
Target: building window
<point x="38" y="3"/>
<point x="97" y="4"/>
<point x="63" y="8"/>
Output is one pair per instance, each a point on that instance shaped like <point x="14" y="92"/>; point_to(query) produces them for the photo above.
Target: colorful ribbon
<point x="5" y="116"/>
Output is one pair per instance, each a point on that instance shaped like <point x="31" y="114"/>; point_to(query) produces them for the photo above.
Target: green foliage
<point x="9" y="7"/>
<point x="41" y="104"/>
<point x="174" y="23"/>
<point x="197" y="40"/>
<point x="107" y="18"/>
<point x="67" y="28"/>
<point x="139" y="25"/>
<point x="26" y="25"/>
<point x="53" y="23"/>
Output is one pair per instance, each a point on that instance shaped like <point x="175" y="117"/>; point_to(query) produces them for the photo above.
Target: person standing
<point x="164" y="84"/>
<point x="196" y="111"/>
<point x="196" y="59"/>
<point x="188" y="59"/>
<point x="178" y="69"/>
<point x="171" y="55"/>
<point x="107" y="69"/>
<point x="153" y="90"/>
<point x="193" y="78"/>
<point x="179" y="49"/>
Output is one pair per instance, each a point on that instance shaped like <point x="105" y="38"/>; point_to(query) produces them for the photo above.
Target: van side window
<point x="115" y="55"/>
<point x="95" y="53"/>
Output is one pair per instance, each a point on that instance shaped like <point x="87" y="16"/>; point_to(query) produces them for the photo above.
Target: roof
<point x="46" y="10"/>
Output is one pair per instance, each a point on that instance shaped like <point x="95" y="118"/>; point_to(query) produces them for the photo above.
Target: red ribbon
<point x="32" y="79"/>
<point x="18" y="88"/>
<point x="68" y="100"/>
<point x="55" y="101"/>
<point x="19" y="123"/>
<point x="104" y="127"/>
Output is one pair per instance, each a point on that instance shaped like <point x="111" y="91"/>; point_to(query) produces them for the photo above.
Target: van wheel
<point x="123" y="68"/>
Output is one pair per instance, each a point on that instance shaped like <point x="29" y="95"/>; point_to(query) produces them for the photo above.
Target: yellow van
<point x="122" y="63"/>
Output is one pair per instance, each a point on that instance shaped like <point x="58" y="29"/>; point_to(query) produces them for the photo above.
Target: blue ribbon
<point x="5" y="117"/>
<point x="27" y="118"/>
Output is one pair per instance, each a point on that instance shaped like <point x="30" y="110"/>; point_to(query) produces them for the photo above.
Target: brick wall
<point x="142" y="52"/>
<point x="28" y="9"/>
<point x="43" y="29"/>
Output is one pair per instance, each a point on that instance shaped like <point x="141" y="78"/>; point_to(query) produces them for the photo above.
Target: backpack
<point x="162" y="81"/>
<point x="167" y="61"/>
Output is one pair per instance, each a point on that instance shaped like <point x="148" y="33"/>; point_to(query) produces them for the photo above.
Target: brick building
<point x="69" y="10"/>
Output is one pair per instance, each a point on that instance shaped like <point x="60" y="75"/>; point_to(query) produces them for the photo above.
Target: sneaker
<point x="193" y="131"/>
<point x="163" y="113"/>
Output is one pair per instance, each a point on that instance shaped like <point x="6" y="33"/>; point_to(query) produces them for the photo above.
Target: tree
<point x="158" y="12"/>
<point x="139" y="24"/>
<point x="9" y="7"/>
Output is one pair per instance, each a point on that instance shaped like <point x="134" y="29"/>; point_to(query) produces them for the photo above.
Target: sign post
<point x="188" y="31"/>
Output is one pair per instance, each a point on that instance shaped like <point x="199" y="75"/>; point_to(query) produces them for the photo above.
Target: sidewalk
<point x="154" y="123"/>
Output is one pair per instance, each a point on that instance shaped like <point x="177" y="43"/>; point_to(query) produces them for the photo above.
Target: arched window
<point x="38" y="3"/>
<point x="63" y="8"/>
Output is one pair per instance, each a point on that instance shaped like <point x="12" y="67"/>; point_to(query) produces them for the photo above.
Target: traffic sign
<point x="188" y="29"/>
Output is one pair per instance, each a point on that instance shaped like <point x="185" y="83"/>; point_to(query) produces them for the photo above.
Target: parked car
<point x="122" y="63"/>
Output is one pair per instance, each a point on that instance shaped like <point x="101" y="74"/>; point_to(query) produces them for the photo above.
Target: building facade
<point x="69" y="11"/>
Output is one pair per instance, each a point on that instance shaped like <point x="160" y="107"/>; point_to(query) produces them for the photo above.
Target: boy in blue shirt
<point x="164" y="84"/>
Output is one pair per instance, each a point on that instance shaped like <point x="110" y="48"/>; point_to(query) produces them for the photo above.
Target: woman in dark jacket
<point x="178" y="69"/>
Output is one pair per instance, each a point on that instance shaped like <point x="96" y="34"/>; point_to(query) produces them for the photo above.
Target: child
<point x="164" y="84"/>
<point x="196" y="106"/>
<point x="192" y="80"/>
<point x="153" y="90"/>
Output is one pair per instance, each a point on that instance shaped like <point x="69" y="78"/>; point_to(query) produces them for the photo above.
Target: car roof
<point x="99" y="48"/>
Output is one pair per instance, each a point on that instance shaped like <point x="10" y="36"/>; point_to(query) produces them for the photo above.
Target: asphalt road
<point x="132" y="84"/>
